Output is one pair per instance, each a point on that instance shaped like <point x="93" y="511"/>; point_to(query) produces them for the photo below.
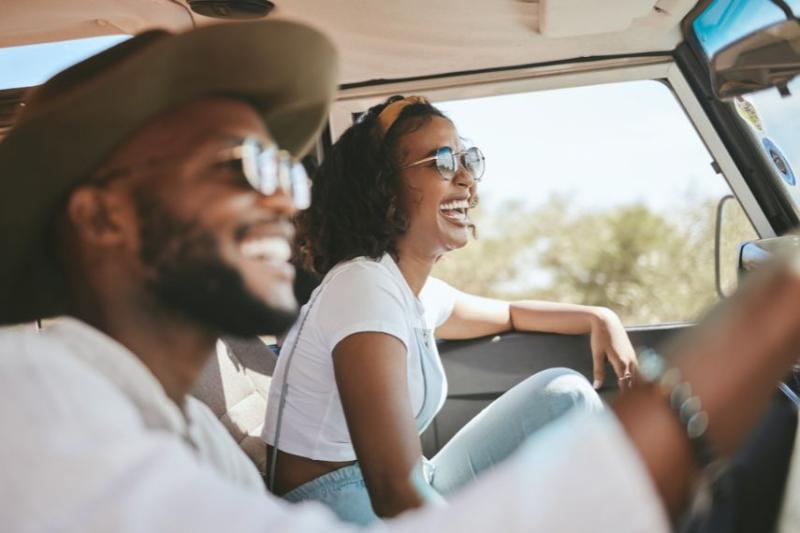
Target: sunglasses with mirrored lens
<point x="269" y="169"/>
<point x="265" y="167"/>
<point x="448" y="162"/>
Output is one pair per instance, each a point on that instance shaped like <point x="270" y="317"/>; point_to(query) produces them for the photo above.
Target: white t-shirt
<point x="360" y="295"/>
<point x="97" y="354"/>
<point x="77" y="457"/>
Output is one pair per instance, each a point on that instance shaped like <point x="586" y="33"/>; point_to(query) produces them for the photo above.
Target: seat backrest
<point x="235" y="385"/>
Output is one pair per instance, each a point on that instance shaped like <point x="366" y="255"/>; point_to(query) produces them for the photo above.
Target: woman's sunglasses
<point x="448" y="162"/>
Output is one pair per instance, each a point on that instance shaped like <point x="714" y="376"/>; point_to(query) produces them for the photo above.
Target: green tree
<point x="648" y="268"/>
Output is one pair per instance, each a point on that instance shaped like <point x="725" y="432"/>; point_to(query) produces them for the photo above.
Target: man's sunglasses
<point x="448" y="162"/>
<point x="265" y="167"/>
<point x="268" y="169"/>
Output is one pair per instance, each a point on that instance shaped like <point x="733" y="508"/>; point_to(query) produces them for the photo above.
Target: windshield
<point x="770" y="119"/>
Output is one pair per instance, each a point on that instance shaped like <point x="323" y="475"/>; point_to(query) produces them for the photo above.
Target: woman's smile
<point x="456" y="211"/>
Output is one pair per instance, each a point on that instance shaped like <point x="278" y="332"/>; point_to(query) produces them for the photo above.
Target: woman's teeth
<point x="274" y="249"/>
<point x="455" y="204"/>
<point x="455" y="211"/>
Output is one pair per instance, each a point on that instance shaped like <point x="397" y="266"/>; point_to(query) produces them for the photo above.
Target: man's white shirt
<point x="90" y="442"/>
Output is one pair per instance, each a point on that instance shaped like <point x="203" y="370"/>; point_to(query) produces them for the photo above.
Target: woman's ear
<point x="97" y="215"/>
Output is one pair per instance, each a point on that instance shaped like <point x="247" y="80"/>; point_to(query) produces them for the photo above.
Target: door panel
<point x="480" y="370"/>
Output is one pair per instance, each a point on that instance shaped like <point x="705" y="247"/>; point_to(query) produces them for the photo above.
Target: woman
<point x="359" y="377"/>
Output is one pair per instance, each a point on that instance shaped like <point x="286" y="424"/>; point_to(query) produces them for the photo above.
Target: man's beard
<point x="191" y="279"/>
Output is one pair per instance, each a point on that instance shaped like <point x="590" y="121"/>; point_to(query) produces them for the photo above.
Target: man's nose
<point x="278" y="202"/>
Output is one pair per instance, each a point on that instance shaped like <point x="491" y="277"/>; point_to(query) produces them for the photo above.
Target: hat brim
<point x="286" y="71"/>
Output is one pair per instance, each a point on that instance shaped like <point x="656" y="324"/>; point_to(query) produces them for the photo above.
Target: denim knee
<point x="562" y="389"/>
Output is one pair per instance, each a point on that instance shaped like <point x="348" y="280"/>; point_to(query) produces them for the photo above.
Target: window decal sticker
<point x="779" y="161"/>
<point x="749" y="113"/>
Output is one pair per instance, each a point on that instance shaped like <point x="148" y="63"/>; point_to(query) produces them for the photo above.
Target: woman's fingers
<point x="617" y="363"/>
<point x="598" y="367"/>
<point x="625" y="383"/>
<point x="625" y="366"/>
<point x="627" y="355"/>
<point x="610" y="341"/>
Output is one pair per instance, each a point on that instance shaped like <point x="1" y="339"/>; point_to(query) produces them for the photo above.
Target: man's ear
<point x="98" y="215"/>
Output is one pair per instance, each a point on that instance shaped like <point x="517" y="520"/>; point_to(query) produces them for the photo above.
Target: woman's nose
<point x="463" y="177"/>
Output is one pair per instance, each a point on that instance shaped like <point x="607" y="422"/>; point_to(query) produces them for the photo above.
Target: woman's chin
<point x="454" y="242"/>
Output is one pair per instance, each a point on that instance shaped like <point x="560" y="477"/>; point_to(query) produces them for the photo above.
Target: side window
<point x="29" y="65"/>
<point x="601" y="195"/>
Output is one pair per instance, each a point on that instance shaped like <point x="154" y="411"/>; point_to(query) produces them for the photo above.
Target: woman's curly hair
<point x="355" y="200"/>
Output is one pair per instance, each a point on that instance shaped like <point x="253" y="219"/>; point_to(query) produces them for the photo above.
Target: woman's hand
<point x="610" y="341"/>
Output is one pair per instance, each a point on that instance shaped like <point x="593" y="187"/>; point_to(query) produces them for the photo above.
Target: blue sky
<point x="607" y="145"/>
<point x="600" y="146"/>
<point x="24" y="66"/>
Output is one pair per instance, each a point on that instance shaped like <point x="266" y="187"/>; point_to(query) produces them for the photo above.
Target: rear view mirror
<point x="769" y="57"/>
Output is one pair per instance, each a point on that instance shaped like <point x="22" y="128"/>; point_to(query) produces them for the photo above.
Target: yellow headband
<point x="389" y="115"/>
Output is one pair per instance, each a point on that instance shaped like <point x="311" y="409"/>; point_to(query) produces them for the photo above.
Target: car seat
<point x="235" y="385"/>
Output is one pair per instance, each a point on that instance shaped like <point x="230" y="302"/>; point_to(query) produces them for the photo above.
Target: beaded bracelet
<point x="655" y="370"/>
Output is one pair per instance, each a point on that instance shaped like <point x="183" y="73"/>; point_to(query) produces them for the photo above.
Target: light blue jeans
<point x="486" y="440"/>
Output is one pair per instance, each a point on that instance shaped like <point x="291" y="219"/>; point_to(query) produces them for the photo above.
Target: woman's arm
<point x="475" y="316"/>
<point x="371" y="375"/>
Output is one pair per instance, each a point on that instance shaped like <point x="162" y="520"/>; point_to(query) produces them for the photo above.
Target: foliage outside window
<point x="633" y="232"/>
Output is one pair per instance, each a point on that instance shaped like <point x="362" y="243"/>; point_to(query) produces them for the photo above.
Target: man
<point x="144" y="197"/>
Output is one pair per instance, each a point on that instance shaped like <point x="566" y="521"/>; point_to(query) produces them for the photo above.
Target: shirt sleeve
<point x="438" y="298"/>
<point x="220" y="447"/>
<point x="361" y="298"/>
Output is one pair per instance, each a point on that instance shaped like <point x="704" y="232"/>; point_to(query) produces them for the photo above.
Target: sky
<point x="24" y="66"/>
<point x="606" y="145"/>
<point x="599" y="146"/>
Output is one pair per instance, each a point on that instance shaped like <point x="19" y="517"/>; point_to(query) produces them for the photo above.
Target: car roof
<point x="392" y="40"/>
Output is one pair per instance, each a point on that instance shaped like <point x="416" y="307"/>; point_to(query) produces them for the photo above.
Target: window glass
<point x="25" y="66"/>
<point x="601" y="195"/>
<point x="772" y="123"/>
